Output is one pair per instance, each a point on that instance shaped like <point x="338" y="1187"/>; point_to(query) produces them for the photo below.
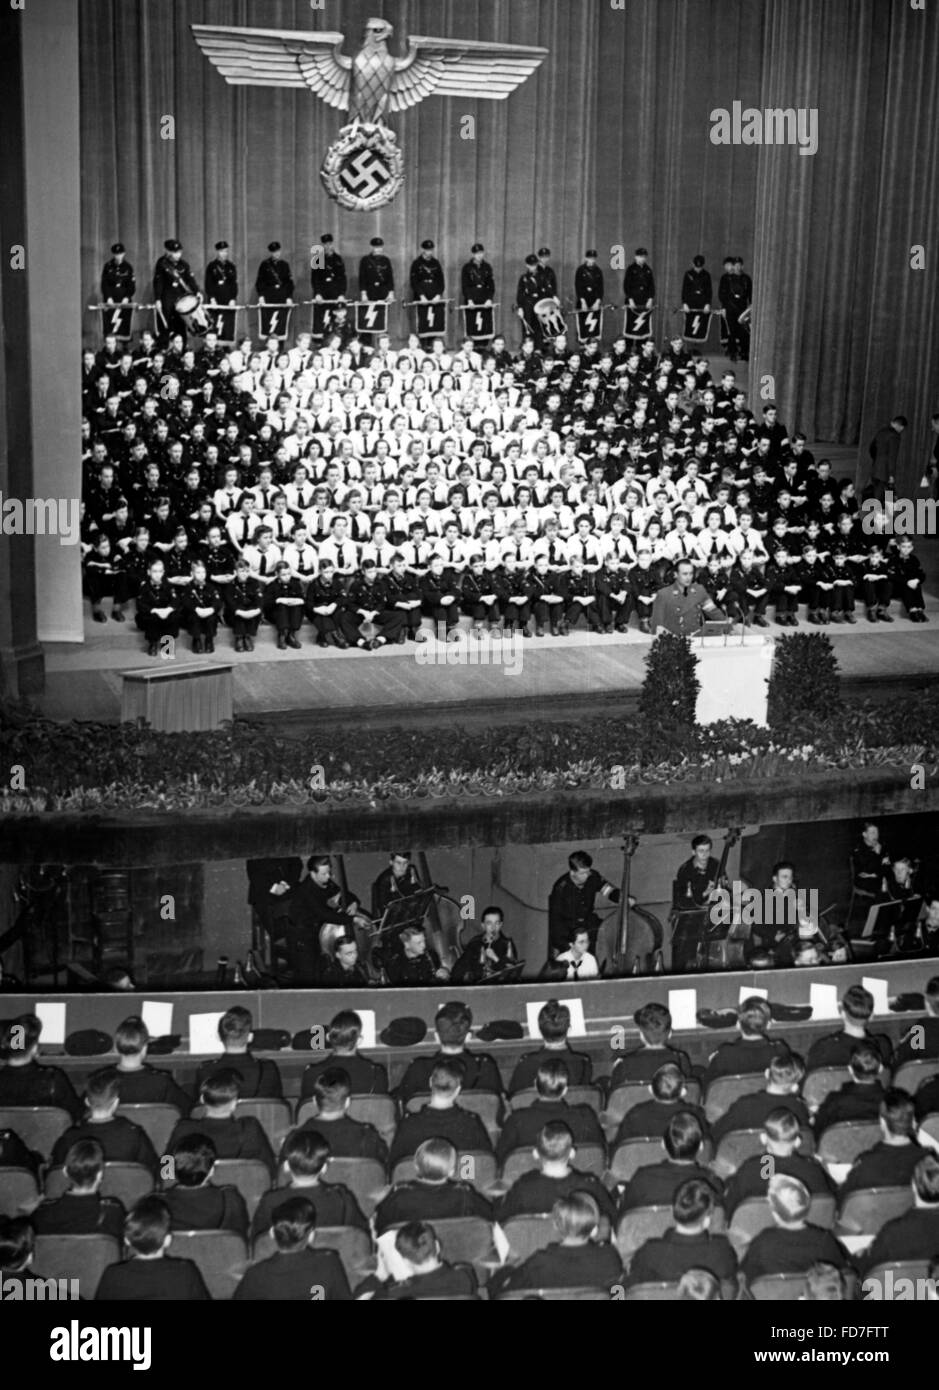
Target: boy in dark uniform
<point x="784" y="586"/>
<point x="158" y="612"/>
<point x="260" y="1078"/>
<point x="511" y="581"/>
<point x="527" y="296"/>
<point x="696" y="288"/>
<point x="274" y="283"/>
<point x="296" y="1273"/>
<point x="428" y="1275"/>
<point x="581" y="598"/>
<point x="876" y="585"/>
<point x="221" y="277"/>
<point x="644" y="584"/>
<point x="413" y="961"/>
<point x="347" y="1138"/>
<point x="477" y="282"/>
<point x="326" y="608"/>
<point x="556" y="1177"/>
<point x="150" y="1274"/>
<point x="613" y="595"/>
<point x="842" y="590"/>
<point x="399" y="880"/>
<point x="546" y="589"/>
<point x="328" y="278"/>
<point x="749" y="589"/>
<point x="571" y="902"/>
<point x="907" y="578"/>
<point x="813" y="576"/>
<point x="118" y="284"/>
<point x="284" y="602"/>
<point x="434" y="1194"/>
<point x="554" y="1024"/>
<point x="523" y="1126"/>
<point x="688" y="1244"/>
<point x="172" y="278"/>
<point x="367" y="1078"/>
<point x="792" y="1244"/>
<point x="23" y="1081"/>
<point x="234" y="1136"/>
<point x="478" y="597"/>
<point x="195" y="1203"/>
<point x="641" y="1064"/>
<point x="576" y="1261"/>
<point x="82" y="1210"/>
<point x="639" y="282"/>
<point x="427" y="281"/>
<point x="441" y="1118"/>
<point x="120" y="1139"/>
<point x="453" y="1022"/>
<point x="306" y="1154"/>
<point x="243" y="602"/>
<point x="138" y="1083"/>
<point x="201" y="609"/>
<point x="588" y="282"/>
<point x="103" y="579"/>
<point x="440" y="596"/>
<point x="403" y="597"/>
<point x="376" y="280"/>
<point x="752" y="1051"/>
<point x="369" y="603"/>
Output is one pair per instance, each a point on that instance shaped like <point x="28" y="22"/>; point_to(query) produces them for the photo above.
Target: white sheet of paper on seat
<point x="157" y="1017"/>
<point x="52" y="1017"/>
<point x="878" y="988"/>
<point x="824" y="1001"/>
<point x="683" y="1007"/>
<point x="368" y="1027"/>
<point x="578" y="1023"/>
<point x="203" y="1033"/>
<point x="752" y="992"/>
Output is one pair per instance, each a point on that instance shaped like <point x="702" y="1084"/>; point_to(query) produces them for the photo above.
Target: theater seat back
<point x="221" y="1256"/>
<point x="39" y="1126"/>
<point x="126" y="1181"/>
<point x="351" y="1243"/>
<point x="19" y="1191"/>
<point x="84" y="1258"/>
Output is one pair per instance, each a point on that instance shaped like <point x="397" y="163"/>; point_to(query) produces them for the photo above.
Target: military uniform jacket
<point x="282" y="588"/>
<point x="588" y="285"/>
<point x="429" y="1201"/>
<point x="118" y="281"/>
<point x="370" y="595"/>
<point x="426" y="278"/>
<point x="696" y="288"/>
<point x="203" y="596"/>
<point x="476" y="585"/>
<point x="400" y="590"/>
<point x="434" y="588"/>
<point x="150" y="1086"/>
<point x="171" y="279"/>
<point x="334" y="1204"/>
<point x="376" y="278"/>
<point x="238" y="1137"/>
<point x="221" y="282"/>
<point x="538" y="585"/>
<point x="323" y="591"/>
<point x="526" y="297"/>
<point x="464" y="1129"/>
<point x="274" y="282"/>
<point x="71" y="1215"/>
<point x="639" y="283"/>
<point x="477" y="282"/>
<point x="152" y="596"/>
<point x="735" y="291"/>
<point x="546" y="281"/>
<point x="121" y="1140"/>
<point x="329" y="280"/>
<point x="581" y="585"/>
<point x="903" y="570"/>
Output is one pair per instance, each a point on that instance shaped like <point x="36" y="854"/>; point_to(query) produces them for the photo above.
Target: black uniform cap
<point x="531" y="260"/>
<point x="543" y="251"/>
<point x="117" y="249"/>
<point x="476" y="247"/>
<point x="326" y="239"/>
<point x="427" y="245"/>
<point x="698" y="261"/>
<point x="376" y="241"/>
<point x="273" y="246"/>
<point x="588" y="254"/>
<point x="173" y="245"/>
<point x="221" y="246"/>
<point x="640" y="251"/>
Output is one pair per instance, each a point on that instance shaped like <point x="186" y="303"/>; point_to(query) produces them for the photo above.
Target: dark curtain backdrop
<point x="607" y="144"/>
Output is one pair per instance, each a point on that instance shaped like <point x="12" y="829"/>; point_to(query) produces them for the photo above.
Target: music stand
<point x="405" y="912"/>
<point x="882" y="919"/>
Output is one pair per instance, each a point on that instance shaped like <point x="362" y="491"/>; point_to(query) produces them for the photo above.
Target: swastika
<point x="364" y="174"/>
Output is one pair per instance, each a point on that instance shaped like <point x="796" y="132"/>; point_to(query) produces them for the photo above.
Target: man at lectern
<point x="682" y="606"/>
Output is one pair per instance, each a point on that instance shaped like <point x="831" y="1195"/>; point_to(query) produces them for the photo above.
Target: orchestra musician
<point x="317" y="904"/>
<point x="487" y="954"/>
<point x="696" y="883"/>
<point x="399" y="880"/>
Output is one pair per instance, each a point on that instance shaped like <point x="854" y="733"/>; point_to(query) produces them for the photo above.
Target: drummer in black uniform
<point x="172" y="278"/>
<point x="526" y="297"/>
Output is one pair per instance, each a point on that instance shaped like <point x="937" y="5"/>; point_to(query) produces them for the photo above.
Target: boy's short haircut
<point x="789" y="1199"/>
<point x="897" y="1113"/>
<point x="131" y="1037"/>
<point x="699" y="1286"/>
<point x="147" y="1225"/>
<point x="865" y="1061"/>
<point x="221" y="1087"/>
<point x="654" y="1023"/>
<point x="693" y="1201"/>
<point x="668" y="1082"/>
<point x="824" y="1283"/>
<point x="435" y="1160"/>
<point x="786" y="1069"/>
<point x="554" y="1020"/>
<point x="926" y="1180"/>
<point x="683" y="1136"/>
<point x="576" y="1215"/>
<point x="17" y="1240"/>
<point x="293" y="1223"/>
<point x="416" y="1242"/>
<point x="453" y="1022"/>
<point x="754" y="1015"/>
<point x="332" y="1088"/>
<point x="306" y="1152"/>
<point x="194" y="1156"/>
<point x="446" y="1077"/>
<point x="345" y="1030"/>
<point x="235" y="1025"/>
<point x="102" y="1087"/>
<point x="552" y="1079"/>
<point x="555" y="1142"/>
<point x="83" y="1162"/>
<point x="782" y="1126"/>
<point x="858" y="1003"/>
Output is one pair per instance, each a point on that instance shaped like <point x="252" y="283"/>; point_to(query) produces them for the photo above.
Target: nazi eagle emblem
<point x="364" y="167"/>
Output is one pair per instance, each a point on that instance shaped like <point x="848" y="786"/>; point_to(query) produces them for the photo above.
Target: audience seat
<point x="930" y="1126"/>
<point x="754" y="1215"/>
<point x="272" y="1115"/>
<point x="724" y="1090"/>
<point x="19" y="1191"/>
<point x="652" y="1293"/>
<point x="590" y="1158"/>
<point x="365" y="1177"/>
<point x="251" y="1177"/>
<point x="476" y="1161"/>
<point x="380" y="1111"/>
<point x="778" y="1288"/>
<point x="351" y="1243"/>
<point x="640" y="1224"/>
<point x="576" y="1095"/>
<point x="865" y="1210"/>
<point x="633" y="1154"/>
<point x="84" y="1258"/>
<point x="222" y="1257"/>
<point x="627" y="1097"/>
<point x="464" y="1239"/>
<point x="740" y="1144"/>
<point x="820" y="1083"/>
<point x="126" y="1181"/>
<point x="911" y="1075"/>
<point x="899" y="1269"/>
<point x="485" y="1104"/>
<point x="580" y="1295"/>
<point x="529" y="1233"/>
<point x="39" y="1126"/>
<point x="157" y="1122"/>
<point x="845" y="1142"/>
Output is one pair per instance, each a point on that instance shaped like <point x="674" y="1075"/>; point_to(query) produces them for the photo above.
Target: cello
<point x="620" y="938"/>
<point x="722" y="945"/>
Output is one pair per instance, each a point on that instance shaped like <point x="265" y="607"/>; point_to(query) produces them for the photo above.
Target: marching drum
<point x="548" y="313"/>
<point x="190" y="310"/>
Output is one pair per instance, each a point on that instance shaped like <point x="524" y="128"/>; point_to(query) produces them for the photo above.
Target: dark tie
<point x="263" y="564"/>
<point x="341" y="552"/>
<point x="518" y="553"/>
<point x="685" y="591"/>
<point x="244" y="532"/>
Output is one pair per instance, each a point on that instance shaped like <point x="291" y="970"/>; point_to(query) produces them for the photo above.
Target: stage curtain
<point x="608" y="143"/>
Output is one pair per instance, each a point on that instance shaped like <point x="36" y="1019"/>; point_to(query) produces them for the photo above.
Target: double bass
<point x="630" y="939"/>
<point x="722" y="945"/>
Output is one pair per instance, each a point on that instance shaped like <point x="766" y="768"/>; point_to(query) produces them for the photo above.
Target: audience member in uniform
<point x="655" y="1028"/>
<point x="655" y="1184"/>
<point x="296" y="1272"/>
<point x="149" y="1274"/>
<point x="781" y="1138"/>
<point x="783" y="1081"/>
<point x="453" y="1022"/>
<point x="915" y="1234"/>
<point x="260" y="1079"/>
<point x="835" y="1049"/>
<point x="428" y="1276"/>
<point x="17" y="1249"/>
<point x="752" y="1050"/>
<point x="891" y="1162"/>
<point x="441" y="1118"/>
<point x="792" y="1244"/>
<point x="537" y="1191"/>
<point x="522" y="1127"/>
<point x="699" y="1286"/>
<point x="81" y="1210"/>
<point x="343" y="1036"/>
<point x="234" y="1136"/>
<point x="858" y="1099"/>
<point x="578" y="1260"/>
<point x="305" y="1157"/>
<point x="195" y="1202"/>
<point x="121" y="1140"/>
<point x="554" y="1024"/>
<point x="651" y="1118"/>
<point x="346" y="1137"/>
<point x="23" y="1079"/>
<point x="688" y="1244"/>
<point x="434" y="1194"/>
<point x="824" y="1283"/>
<point x="138" y="1082"/>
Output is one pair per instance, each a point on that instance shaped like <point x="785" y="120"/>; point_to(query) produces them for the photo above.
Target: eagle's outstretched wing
<point x="279" y="58"/>
<point x="461" y="68"/>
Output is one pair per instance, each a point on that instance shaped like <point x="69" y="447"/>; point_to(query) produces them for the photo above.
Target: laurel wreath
<point x="353" y="139"/>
